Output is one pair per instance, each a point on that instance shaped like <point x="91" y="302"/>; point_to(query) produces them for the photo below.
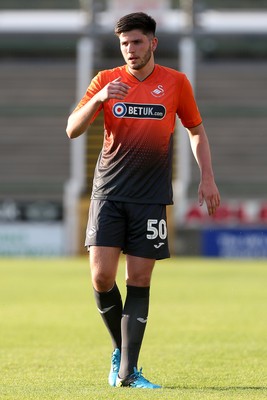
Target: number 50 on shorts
<point x="156" y="229"/>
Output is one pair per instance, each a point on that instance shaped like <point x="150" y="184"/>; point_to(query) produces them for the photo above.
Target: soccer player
<point x="133" y="182"/>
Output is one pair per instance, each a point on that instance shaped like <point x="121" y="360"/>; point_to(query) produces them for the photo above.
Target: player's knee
<point x="102" y="282"/>
<point x="139" y="280"/>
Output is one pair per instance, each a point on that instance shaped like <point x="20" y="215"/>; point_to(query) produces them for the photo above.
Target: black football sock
<point x="133" y="324"/>
<point x="109" y="304"/>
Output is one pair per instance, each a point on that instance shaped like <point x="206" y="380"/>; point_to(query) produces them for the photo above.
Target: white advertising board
<point x="31" y="239"/>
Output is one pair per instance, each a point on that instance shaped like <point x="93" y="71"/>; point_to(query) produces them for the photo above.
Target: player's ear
<point x="154" y="43"/>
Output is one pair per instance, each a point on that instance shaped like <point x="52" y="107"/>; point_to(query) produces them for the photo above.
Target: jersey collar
<point x="136" y="80"/>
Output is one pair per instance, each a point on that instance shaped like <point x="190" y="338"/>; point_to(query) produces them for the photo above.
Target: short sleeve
<point x="187" y="109"/>
<point x="94" y="87"/>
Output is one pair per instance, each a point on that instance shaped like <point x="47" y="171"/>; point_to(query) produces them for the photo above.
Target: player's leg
<point x="147" y="241"/>
<point x="135" y="311"/>
<point x="104" y="265"/>
<point x="105" y="238"/>
<point x="134" y="320"/>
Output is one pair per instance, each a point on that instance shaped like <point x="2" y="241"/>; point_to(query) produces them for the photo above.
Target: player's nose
<point x="130" y="48"/>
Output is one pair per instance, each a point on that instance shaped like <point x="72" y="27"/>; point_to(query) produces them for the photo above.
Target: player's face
<point x="137" y="49"/>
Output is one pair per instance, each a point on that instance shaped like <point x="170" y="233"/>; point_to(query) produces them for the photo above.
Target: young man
<point x="132" y="183"/>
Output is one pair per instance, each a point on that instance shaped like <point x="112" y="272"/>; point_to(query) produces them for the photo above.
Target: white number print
<point x="156" y="229"/>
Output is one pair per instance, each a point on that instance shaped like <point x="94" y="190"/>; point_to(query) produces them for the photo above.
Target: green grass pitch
<point x="206" y="337"/>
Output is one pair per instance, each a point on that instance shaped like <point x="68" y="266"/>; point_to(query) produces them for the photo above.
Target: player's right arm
<point x="81" y="118"/>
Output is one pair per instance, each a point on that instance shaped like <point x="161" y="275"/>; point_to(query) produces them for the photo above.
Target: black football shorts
<point x="138" y="229"/>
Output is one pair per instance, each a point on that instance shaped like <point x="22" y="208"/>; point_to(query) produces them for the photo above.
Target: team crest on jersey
<point x="158" y="92"/>
<point x="139" y="111"/>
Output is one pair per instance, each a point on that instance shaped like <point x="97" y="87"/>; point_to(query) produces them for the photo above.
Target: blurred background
<point x="50" y="50"/>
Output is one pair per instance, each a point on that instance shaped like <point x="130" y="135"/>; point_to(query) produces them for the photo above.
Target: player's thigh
<point x="139" y="270"/>
<point x="104" y="263"/>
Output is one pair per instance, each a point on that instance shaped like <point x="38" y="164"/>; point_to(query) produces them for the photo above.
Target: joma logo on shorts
<point x="143" y="111"/>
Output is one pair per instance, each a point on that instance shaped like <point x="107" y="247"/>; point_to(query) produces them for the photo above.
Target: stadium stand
<point x="233" y="101"/>
<point x="36" y="97"/>
<point x="35" y="102"/>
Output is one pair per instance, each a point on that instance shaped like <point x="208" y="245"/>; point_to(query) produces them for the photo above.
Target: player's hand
<point x="209" y="193"/>
<point x="114" y="90"/>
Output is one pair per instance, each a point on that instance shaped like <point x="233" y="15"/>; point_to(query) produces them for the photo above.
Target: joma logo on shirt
<point x="140" y="111"/>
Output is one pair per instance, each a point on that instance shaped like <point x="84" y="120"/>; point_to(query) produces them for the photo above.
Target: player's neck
<point x="143" y="73"/>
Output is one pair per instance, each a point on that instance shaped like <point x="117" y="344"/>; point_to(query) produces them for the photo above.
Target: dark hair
<point x="137" y="20"/>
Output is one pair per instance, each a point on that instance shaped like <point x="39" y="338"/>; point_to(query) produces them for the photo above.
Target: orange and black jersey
<point x="135" y="164"/>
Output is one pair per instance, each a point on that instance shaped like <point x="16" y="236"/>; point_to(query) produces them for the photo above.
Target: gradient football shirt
<point x="135" y="163"/>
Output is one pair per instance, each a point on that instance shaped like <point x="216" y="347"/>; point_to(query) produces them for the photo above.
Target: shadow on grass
<point x="226" y="388"/>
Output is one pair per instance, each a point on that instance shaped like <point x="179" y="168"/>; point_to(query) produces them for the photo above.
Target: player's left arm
<point x="207" y="190"/>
